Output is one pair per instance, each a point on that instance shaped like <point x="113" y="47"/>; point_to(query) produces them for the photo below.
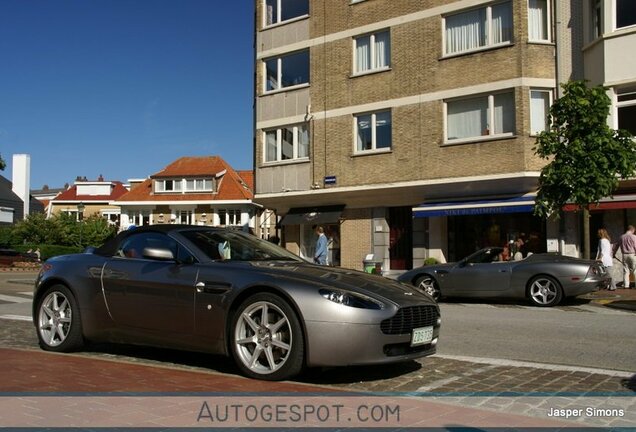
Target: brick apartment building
<point x="407" y="127"/>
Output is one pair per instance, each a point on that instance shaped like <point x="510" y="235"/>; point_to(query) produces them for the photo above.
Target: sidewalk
<point x="56" y="390"/>
<point x="620" y="299"/>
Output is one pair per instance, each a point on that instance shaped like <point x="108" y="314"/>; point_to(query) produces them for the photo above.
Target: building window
<point x="539" y="110"/>
<point x="184" y="217"/>
<point x="278" y="11"/>
<point x="372" y="52"/>
<point x="287" y="143"/>
<point x="481" y="116"/>
<point x="538" y="20"/>
<point x="627" y="111"/>
<point x="596" y="19"/>
<point x="625" y="13"/>
<point x="199" y="185"/>
<point x="478" y="28"/>
<point x="287" y="71"/>
<point x="229" y="217"/>
<point x="373" y="131"/>
<point x="168" y="185"/>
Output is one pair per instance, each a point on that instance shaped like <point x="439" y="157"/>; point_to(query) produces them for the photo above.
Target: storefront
<point x="472" y="225"/>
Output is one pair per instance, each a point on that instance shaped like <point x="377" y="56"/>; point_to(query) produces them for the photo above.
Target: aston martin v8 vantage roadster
<point x="226" y="292"/>
<point x="543" y="279"/>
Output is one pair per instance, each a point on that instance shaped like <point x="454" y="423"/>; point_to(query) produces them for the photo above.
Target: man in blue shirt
<point x="320" y="256"/>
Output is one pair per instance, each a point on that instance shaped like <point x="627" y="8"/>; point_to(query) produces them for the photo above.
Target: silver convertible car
<point x="544" y="279"/>
<point x="227" y="292"/>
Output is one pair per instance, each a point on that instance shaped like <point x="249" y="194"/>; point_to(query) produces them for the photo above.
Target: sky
<point x="121" y="88"/>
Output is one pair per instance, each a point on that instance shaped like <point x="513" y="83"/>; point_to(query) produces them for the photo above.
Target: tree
<point x="587" y="157"/>
<point x="3" y="165"/>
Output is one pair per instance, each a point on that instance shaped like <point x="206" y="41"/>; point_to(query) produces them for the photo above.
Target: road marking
<point x="546" y="366"/>
<point x="27" y="293"/>
<point x="443" y="382"/>
<point x="14" y="299"/>
<point x="16" y="317"/>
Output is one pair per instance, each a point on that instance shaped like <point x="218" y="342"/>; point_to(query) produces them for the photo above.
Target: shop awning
<point x="313" y="215"/>
<point x="616" y="204"/>
<point x="517" y="204"/>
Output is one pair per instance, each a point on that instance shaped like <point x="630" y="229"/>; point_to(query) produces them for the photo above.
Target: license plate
<point x="422" y="335"/>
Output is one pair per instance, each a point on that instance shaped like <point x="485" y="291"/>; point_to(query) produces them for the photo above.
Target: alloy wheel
<point x="55" y="319"/>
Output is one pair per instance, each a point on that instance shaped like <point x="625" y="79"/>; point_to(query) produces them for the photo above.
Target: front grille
<point x="401" y="349"/>
<point x="409" y="318"/>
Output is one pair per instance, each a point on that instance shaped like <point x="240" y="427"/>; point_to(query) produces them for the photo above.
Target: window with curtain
<point x="478" y="28"/>
<point x="287" y="71"/>
<point x="278" y="11"/>
<point x="287" y="143"/>
<point x="372" y="52"/>
<point x="373" y="131"/>
<point x="480" y="116"/>
<point x="539" y="109"/>
<point x="538" y="22"/>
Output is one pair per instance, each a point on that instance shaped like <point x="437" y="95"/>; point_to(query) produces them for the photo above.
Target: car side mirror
<point x="158" y="254"/>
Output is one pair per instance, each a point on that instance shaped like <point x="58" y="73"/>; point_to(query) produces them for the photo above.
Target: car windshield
<point x="236" y="246"/>
<point x="485" y="256"/>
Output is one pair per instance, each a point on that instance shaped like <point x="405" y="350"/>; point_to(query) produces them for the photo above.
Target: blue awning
<point x="518" y="204"/>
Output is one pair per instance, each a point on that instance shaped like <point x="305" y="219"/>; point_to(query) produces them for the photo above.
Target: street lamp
<point x="80" y="217"/>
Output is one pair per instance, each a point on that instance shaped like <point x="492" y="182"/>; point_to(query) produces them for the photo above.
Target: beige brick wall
<point x="355" y="237"/>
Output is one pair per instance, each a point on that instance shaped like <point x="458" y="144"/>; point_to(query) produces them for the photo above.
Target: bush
<point x="48" y="251"/>
<point x="430" y="261"/>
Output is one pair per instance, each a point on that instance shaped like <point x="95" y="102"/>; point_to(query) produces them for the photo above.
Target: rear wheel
<point x="544" y="291"/>
<point x="429" y="285"/>
<point x="59" y="325"/>
<point x="267" y="339"/>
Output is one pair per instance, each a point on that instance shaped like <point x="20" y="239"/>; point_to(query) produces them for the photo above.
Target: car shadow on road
<point x="569" y="301"/>
<point x="357" y="374"/>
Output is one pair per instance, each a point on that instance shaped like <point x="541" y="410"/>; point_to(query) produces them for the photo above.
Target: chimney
<point x="22" y="179"/>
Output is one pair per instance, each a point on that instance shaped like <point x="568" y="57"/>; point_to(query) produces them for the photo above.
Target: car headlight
<point x="348" y="298"/>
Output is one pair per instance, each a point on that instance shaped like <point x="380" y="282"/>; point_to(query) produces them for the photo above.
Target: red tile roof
<point x="70" y="194"/>
<point x="231" y="185"/>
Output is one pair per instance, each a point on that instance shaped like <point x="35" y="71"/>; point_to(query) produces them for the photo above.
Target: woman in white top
<point x="604" y="254"/>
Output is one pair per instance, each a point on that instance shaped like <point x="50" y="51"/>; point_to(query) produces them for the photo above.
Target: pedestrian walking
<point x="627" y="245"/>
<point x="320" y="256"/>
<point x="604" y="254"/>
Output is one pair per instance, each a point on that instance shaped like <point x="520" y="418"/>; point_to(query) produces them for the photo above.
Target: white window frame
<point x="373" y="148"/>
<point x="279" y="73"/>
<point x="615" y="17"/>
<point x="623" y="104"/>
<point x="548" y="5"/>
<point x="373" y="67"/>
<point x="196" y="181"/>
<point x="279" y="144"/>
<point x="489" y="32"/>
<point x="226" y="216"/>
<point x="277" y="21"/>
<point x="550" y="101"/>
<point x="490" y="120"/>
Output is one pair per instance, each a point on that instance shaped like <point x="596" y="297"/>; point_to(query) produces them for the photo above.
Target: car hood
<point x="345" y="279"/>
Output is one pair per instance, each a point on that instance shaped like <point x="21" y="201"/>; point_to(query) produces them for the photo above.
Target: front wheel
<point x="267" y="339"/>
<point x="429" y="285"/>
<point x="544" y="291"/>
<point x="59" y="324"/>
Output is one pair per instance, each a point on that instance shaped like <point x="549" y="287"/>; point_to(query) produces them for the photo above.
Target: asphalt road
<point x="581" y="335"/>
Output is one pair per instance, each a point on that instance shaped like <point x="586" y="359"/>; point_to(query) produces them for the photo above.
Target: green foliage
<point x="587" y="157"/>
<point x="48" y="251"/>
<point x="3" y="165"/>
<point x="62" y="230"/>
<point x="430" y="261"/>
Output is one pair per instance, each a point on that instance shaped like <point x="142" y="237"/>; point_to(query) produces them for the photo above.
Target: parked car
<point x="227" y="292"/>
<point x="543" y="279"/>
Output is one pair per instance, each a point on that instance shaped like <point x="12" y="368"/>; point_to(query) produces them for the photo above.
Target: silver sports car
<point x="544" y="279"/>
<point x="227" y="292"/>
